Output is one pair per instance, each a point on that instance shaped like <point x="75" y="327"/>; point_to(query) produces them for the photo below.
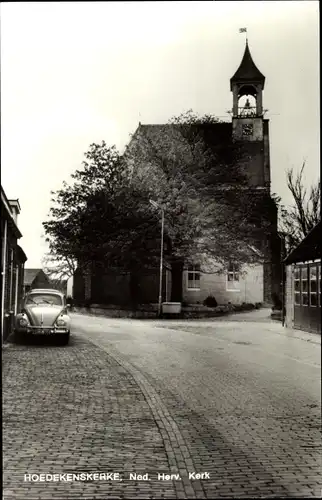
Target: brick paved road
<point x="245" y="397"/>
<point x="147" y="399"/>
<point x="74" y="409"/>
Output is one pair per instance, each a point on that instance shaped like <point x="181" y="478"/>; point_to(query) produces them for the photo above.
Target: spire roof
<point x="247" y="71"/>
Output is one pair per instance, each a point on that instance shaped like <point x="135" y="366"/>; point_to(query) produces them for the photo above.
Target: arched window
<point x="247" y="106"/>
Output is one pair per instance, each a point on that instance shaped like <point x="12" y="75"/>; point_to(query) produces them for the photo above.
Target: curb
<point x="179" y="458"/>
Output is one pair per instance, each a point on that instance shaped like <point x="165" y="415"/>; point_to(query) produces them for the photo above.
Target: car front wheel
<point x="63" y="339"/>
<point x="17" y="337"/>
<point x="21" y="337"/>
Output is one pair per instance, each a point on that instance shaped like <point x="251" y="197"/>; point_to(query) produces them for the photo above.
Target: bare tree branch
<point x="298" y="219"/>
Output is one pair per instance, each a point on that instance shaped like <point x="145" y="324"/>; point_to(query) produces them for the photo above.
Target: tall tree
<point x="194" y="171"/>
<point x="58" y="268"/>
<point x="210" y="211"/>
<point x="101" y="172"/>
<point x="298" y="219"/>
<point x="102" y="218"/>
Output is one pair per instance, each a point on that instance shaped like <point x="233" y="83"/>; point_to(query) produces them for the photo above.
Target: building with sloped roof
<point x="36" y="278"/>
<point x="12" y="263"/>
<point x="247" y="133"/>
<point x="303" y="284"/>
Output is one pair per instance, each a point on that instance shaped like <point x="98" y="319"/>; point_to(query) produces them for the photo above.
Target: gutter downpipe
<point x="11" y="281"/>
<point x="16" y="290"/>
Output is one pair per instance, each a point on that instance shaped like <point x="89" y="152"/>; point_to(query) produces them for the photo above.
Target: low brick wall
<point x="111" y="312"/>
<point x="151" y="311"/>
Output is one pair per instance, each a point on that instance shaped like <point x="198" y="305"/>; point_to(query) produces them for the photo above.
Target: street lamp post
<point x="155" y="205"/>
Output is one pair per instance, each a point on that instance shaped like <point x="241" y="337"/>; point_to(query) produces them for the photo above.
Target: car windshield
<point x="44" y="299"/>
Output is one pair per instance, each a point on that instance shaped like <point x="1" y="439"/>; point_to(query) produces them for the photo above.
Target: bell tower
<point x="249" y="128"/>
<point x="251" y="131"/>
<point x="247" y="86"/>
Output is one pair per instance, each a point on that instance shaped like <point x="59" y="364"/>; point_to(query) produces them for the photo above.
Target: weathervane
<point x="243" y="30"/>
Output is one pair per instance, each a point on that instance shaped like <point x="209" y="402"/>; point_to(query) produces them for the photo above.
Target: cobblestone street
<point x="75" y="409"/>
<point x="238" y="402"/>
<point x="161" y="251"/>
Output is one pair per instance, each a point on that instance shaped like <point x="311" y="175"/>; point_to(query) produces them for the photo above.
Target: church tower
<point x="251" y="131"/>
<point x="248" y="124"/>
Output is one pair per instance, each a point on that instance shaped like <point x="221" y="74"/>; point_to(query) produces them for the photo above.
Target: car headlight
<point x="61" y="322"/>
<point x="23" y="321"/>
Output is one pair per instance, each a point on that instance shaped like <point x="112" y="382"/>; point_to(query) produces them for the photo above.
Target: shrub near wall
<point x="201" y="311"/>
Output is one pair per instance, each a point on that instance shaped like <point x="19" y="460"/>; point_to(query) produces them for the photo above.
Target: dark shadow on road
<point x="39" y="341"/>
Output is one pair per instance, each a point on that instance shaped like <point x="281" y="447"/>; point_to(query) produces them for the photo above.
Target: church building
<point x="249" y="129"/>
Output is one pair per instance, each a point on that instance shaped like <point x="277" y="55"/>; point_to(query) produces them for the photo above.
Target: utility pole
<point x="155" y="205"/>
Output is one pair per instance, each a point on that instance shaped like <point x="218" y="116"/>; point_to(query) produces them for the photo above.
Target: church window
<point x="193" y="277"/>
<point x="233" y="275"/>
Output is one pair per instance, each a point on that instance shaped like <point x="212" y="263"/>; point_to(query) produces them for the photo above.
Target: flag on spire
<point x="242" y="30"/>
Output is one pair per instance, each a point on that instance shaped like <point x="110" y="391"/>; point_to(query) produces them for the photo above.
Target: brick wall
<point x="78" y="286"/>
<point x="87" y="285"/>
<point x="21" y="274"/>
<point x="268" y="277"/>
<point x="14" y="282"/>
<point x="10" y="277"/>
<point x="267" y="168"/>
<point x="273" y="273"/>
<point x="114" y="287"/>
<point x="10" y="272"/>
<point x="253" y="163"/>
<point x="6" y="278"/>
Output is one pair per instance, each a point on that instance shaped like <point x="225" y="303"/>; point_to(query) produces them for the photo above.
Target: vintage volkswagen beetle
<point x="44" y="312"/>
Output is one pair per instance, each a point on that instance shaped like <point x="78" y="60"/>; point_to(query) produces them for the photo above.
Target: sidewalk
<point x="75" y="409"/>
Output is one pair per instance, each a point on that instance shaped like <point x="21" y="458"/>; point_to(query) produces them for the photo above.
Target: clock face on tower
<point x="247" y="129"/>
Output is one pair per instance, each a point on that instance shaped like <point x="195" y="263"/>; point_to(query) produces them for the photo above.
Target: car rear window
<point x="44" y="299"/>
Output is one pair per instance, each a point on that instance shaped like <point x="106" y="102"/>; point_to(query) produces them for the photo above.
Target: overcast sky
<point x="77" y="73"/>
